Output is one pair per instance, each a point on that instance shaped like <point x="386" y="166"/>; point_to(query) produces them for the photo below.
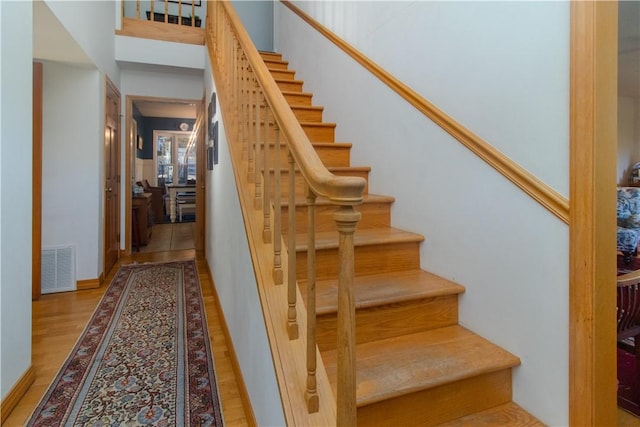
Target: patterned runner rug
<point x="143" y="359"/>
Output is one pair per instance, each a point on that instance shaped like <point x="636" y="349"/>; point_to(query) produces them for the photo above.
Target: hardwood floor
<point x="58" y="319"/>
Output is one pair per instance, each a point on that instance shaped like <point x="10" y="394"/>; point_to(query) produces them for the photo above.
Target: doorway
<point x="163" y="152"/>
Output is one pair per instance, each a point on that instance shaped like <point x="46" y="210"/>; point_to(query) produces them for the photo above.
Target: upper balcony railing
<point x="180" y="21"/>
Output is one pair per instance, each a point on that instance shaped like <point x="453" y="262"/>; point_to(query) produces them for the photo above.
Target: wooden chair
<point x="628" y="318"/>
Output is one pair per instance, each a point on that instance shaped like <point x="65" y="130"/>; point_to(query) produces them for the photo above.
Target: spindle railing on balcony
<point x="176" y="20"/>
<point x="258" y="116"/>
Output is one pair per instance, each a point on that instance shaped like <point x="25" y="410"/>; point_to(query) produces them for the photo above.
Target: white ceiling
<point x="51" y="41"/>
<point x="166" y="109"/>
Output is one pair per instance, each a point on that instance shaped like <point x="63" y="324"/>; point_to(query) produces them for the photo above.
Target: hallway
<point x="58" y="320"/>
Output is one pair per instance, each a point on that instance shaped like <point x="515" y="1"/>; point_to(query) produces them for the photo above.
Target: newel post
<point x="346" y="218"/>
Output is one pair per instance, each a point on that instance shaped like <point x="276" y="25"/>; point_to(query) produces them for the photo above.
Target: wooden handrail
<point x="338" y="189"/>
<point x="247" y="88"/>
<point x="525" y="180"/>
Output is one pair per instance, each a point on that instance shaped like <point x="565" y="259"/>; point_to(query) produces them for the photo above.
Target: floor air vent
<point x="58" y="270"/>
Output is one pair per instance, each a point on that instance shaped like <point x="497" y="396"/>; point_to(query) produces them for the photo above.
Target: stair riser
<point x="271" y="56"/>
<point x="276" y="64"/>
<point x="370" y="259"/>
<point x="303" y="114"/>
<point x="434" y="406"/>
<point x="374" y="215"/>
<point x="316" y="132"/>
<point x="330" y="155"/>
<point x="298" y="98"/>
<point x="294" y="86"/>
<point x="282" y="74"/>
<point x="392" y="320"/>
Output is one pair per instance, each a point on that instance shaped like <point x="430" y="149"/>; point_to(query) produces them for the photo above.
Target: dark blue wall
<point x="146" y="126"/>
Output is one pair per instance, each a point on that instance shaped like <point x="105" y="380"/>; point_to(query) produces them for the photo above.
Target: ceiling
<point x="157" y="108"/>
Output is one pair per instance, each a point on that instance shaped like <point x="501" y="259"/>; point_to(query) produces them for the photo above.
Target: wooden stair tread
<point x="509" y="414"/>
<point x="280" y="80"/>
<point x="322" y="201"/>
<point x="401" y="365"/>
<point x="386" y="288"/>
<point x="292" y="92"/>
<point x="364" y="237"/>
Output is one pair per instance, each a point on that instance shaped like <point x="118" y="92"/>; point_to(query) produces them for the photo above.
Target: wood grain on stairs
<point x="415" y="364"/>
<point x="508" y="414"/>
<point x="426" y="367"/>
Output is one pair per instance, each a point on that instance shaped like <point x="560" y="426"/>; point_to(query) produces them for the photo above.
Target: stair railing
<point x="261" y="114"/>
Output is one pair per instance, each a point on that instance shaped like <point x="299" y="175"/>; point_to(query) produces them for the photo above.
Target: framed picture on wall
<point x="210" y="158"/>
<point x="140" y="142"/>
<point x="215" y="143"/>
<point x="213" y="106"/>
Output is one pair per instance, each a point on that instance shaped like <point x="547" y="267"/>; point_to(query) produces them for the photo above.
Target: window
<point x="175" y="157"/>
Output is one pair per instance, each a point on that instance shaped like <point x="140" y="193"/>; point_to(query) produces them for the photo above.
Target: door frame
<point x="592" y="255"/>
<point x="110" y="87"/>
<point x="36" y="185"/>
<point x="129" y="150"/>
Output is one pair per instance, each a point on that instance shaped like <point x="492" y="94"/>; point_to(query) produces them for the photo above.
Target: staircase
<point x="415" y="364"/>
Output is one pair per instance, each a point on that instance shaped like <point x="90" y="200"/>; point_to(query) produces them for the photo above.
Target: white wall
<point x="92" y="25"/>
<point x="228" y="256"/>
<point x="257" y="17"/>
<point x="628" y="137"/>
<point x="15" y="191"/>
<point x="157" y="52"/>
<point x="501" y="69"/>
<point x="72" y="148"/>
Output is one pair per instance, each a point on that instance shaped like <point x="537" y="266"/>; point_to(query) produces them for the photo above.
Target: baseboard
<point x="242" y="387"/>
<point x="89" y="283"/>
<point x="17" y="391"/>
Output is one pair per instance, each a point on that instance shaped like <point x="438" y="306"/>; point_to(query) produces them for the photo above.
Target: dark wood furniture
<point x="628" y="319"/>
<point x="141" y="208"/>
<point x="157" y="200"/>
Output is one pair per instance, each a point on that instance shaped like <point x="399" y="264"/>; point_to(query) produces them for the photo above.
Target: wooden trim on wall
<point x="242" y="387"/>
<point x="160" y="31"/>
<point x="553" y="201"/>
<point x="201" y="128"/>
<point x="128" y="179"/>
<point x="82" y="285"/>
<point x="592" y="333"/>
<point x="17" y="391"/>
<point x="36" y="185"/>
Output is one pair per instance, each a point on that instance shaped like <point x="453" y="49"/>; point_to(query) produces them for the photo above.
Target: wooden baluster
<point x="251" y="175"/>
<point x="311" y="393"/>
<point x="257" y="201"/>
<point x="166" y="11"/>
<point x="346" y="218"/>
<point x="292" y="322"/>
<point x="151" y="13"/>
<point x="241" y="71"/>
<point x="245" y="108"/>
<point x="179" y="12"/>
<point x="266" y="198"/>
<point x="236" y="87"/>
<point x="241" y="117"/>
<point x="138" y="10"/>
<point x="277" y="220"/>
<point x="193" y="13"/>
